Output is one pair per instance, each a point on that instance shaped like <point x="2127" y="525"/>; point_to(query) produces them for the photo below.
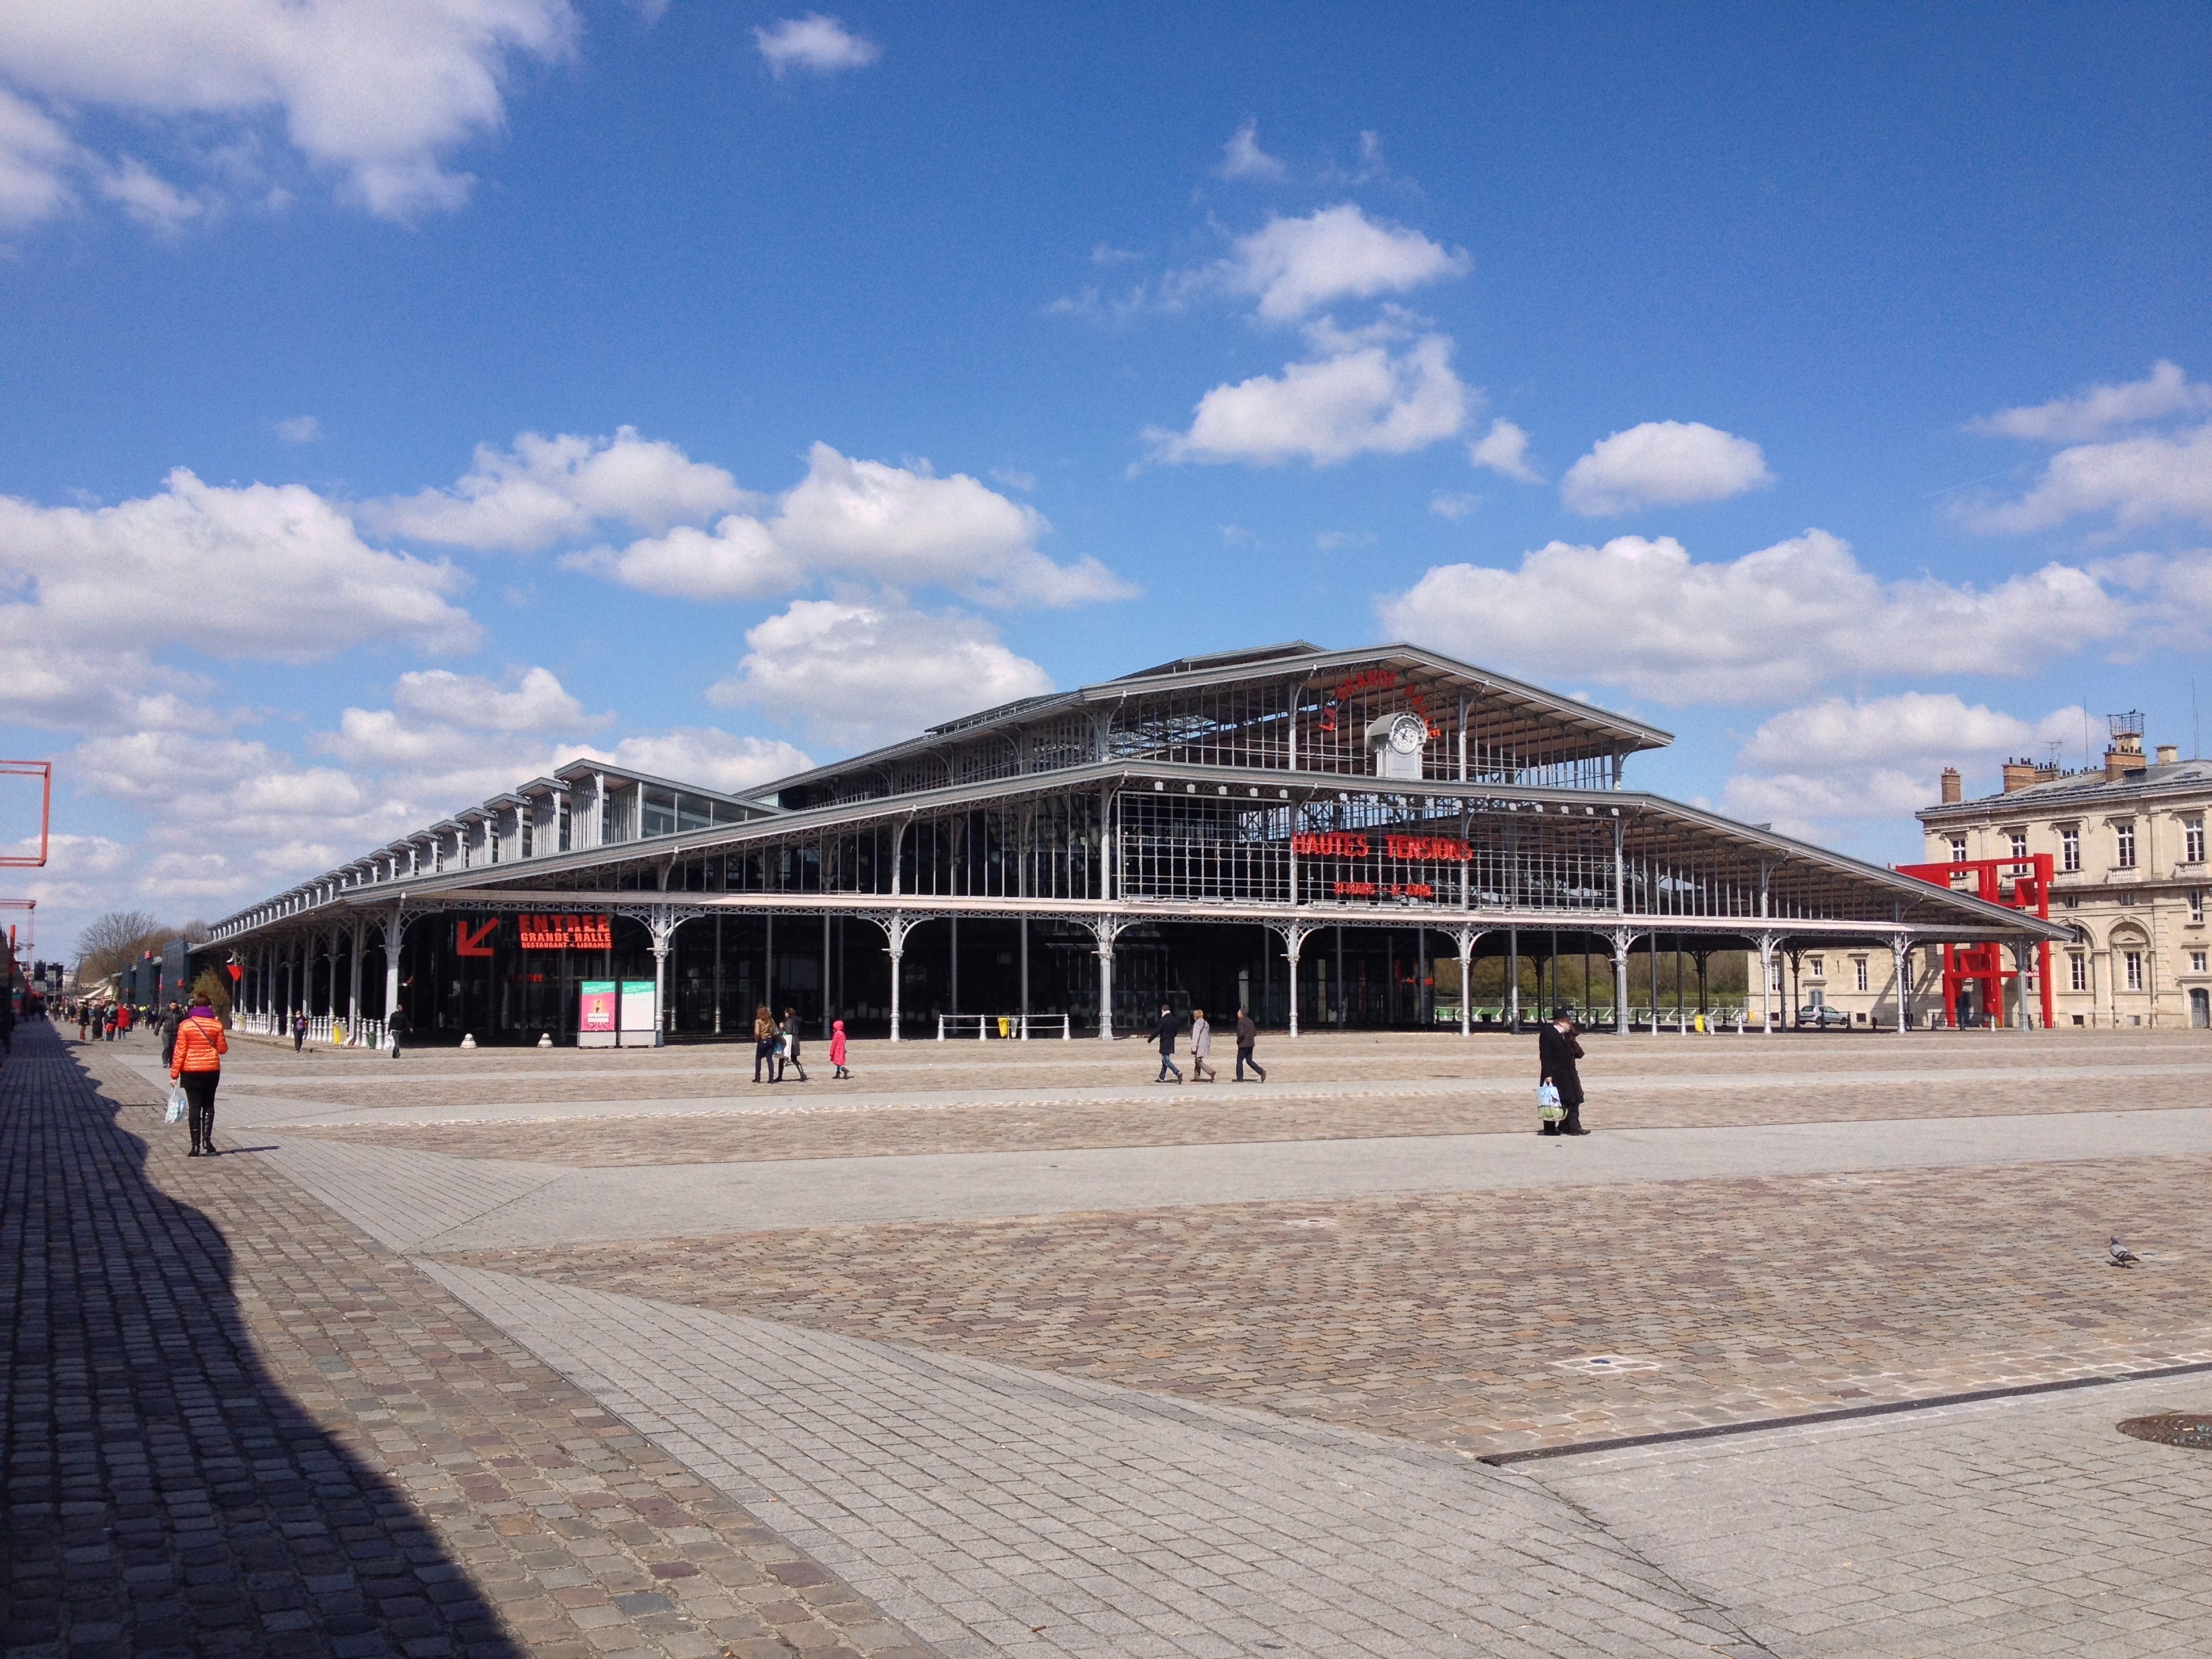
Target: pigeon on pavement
<point x="2123" y="1256"/>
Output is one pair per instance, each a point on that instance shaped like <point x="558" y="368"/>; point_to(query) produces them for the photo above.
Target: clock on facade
<point x="1396" y="741"/>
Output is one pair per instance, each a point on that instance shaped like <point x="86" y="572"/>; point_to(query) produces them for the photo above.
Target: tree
<point x="213" y="987"/>
<point x="119" y="937"/>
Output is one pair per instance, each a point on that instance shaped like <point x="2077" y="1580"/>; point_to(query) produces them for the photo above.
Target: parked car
<point x="1820" y="1016"/>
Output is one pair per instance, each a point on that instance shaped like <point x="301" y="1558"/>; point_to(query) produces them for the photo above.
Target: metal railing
<point x="1018" y="1028"/>
<point x="324" y="1030"/>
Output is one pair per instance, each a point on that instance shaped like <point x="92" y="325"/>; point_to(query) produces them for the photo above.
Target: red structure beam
<point x="44" y="771"/>
<point x="2022" y="883"/>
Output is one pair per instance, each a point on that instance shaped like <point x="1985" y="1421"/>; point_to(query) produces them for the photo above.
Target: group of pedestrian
<point x="775" y="1046"/>
<point x="1201" y="1046"/>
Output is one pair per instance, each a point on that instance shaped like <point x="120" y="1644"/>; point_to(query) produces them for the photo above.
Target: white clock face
<point x="1408" y="733"/>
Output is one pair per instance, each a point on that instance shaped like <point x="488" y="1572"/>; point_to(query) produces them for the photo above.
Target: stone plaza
<point x="1813" y="1348"/>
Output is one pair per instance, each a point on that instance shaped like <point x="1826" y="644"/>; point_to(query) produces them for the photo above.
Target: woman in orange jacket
<point x="198" y="1064"/>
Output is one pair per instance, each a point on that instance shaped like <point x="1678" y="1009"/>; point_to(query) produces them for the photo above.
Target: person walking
<point x="1201" y="1045"/>
<point x="763" y="1042"/>
<point x="84" y="1022"/>
<point x="1164" y="1034"/>
<point x="169" y="1024"/>
<point x="197" y="1065"/>
<point x="837" y="1049"/>
<point x="1557" y="1051"/>
<point x="396" y="1027"/>
<point x="1247" y="1036"/>
<point x="789" y="1032"/>
<point x="299" y="1031"/>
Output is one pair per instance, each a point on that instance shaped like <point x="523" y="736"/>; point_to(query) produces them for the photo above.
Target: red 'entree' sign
<point x="567" y="932"/>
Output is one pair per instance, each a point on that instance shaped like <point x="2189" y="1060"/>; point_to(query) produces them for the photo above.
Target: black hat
<point x="1567" y="1014"/>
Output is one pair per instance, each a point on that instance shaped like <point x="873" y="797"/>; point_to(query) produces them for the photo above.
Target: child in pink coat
<point x="837" y="1048"/>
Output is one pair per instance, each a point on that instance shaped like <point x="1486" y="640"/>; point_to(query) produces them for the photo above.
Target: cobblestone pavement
<point x="1160" y="1405"/>
<point x="458" y="1081"/>
<point x="235" y="1426"/>
<point x="1001" y="1512"/>
<point x="1454" y="1318"/>
<point x="1193" y="1117"/>
<point x="453" y="1203"/>
<point x="1992" y="1531"/>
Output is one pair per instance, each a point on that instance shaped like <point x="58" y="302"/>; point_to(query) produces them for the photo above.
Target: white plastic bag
<point x="1548" y="1109"/>
<point x="175" y="1114"/>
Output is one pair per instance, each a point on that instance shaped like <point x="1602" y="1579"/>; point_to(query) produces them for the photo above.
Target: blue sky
<point x="715" y="385"/>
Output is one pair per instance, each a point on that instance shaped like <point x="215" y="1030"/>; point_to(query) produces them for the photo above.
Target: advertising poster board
<point x="595" y="1017"/>
<point x="641" y="1014"/>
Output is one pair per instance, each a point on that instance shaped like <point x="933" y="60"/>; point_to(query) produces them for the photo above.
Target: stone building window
<point x="2196" y="904"/>
<point x="1958" y="849"/>
<point x="2192" y="841"/>
<point x="2197" y="962"/>
<point x="1859" y="971"/>
<point x="2133" y="961"/>
<point x="2070" y="848"/>
<point x="2077" y="971"/>
<point x="2019" y="839"/>
<point x="2123" y="834"/>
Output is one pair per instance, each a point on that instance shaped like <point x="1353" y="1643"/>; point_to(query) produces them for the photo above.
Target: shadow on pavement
<point x="164" y="1493"/>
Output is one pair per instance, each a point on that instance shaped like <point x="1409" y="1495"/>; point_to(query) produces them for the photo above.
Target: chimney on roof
<point x="2124" y="754"/>
<point x="2169" y="754"/>
<point x="1953" y="792"/>
<point x="2018" y="775"/>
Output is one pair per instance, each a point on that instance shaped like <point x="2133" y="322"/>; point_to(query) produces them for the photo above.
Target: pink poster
<point x="599" y="1005"/>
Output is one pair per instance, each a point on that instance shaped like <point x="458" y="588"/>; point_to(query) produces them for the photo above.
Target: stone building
<point x="2129" y="878"/>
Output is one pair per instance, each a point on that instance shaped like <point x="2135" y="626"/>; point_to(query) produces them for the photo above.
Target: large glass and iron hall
<point x="1294" y="830"/>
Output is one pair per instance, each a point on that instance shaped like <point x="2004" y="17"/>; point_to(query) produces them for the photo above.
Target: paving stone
<point x="274" y="1393"/>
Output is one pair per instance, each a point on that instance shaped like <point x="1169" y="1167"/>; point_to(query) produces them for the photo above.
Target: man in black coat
<point x="1557" y="1051"/>
<point x="1164" y="1034"/>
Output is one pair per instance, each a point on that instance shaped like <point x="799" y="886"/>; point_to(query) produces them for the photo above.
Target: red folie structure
<point x="2022" y="884"/>
<point x="44" y="771"/>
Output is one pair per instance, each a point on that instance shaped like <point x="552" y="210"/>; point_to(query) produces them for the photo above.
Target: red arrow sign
<point x="467" y="944"/>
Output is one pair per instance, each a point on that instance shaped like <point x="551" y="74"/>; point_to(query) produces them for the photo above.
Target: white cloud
<point x="858" y="674"/>
<point x="550" y="490"/>
<point x="2140" y="481"/>
<point x="1328" y="541"/>
<point x="1780" y="622"/>
<point x="1662" y="464"/>
<point x="1878" y="758"/>
<point x="1504" y="449"/>
<point x="298" y="429"/>
<point x="148" y="199"/>
<point x="900" y="526"/>
<point x="35" y="158"/>
<point x="1362" y="396"/>
<point x="703" y="755"/>
<point x="1297" y="266"/>
<point x="2164" y="391"/>
<point x="816" y="44"/>
<point x="1242" y="158"/>
<point x="1453" y="505"/>
<point x="274" y="573"/>
<point x="379" y="95"/>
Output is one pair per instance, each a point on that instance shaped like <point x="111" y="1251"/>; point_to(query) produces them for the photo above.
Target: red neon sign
<point x="1374" y="679"/>
<point x="1413" y="850"/>
<point x="467" y="944"/>
<point x="566" y="932"/>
